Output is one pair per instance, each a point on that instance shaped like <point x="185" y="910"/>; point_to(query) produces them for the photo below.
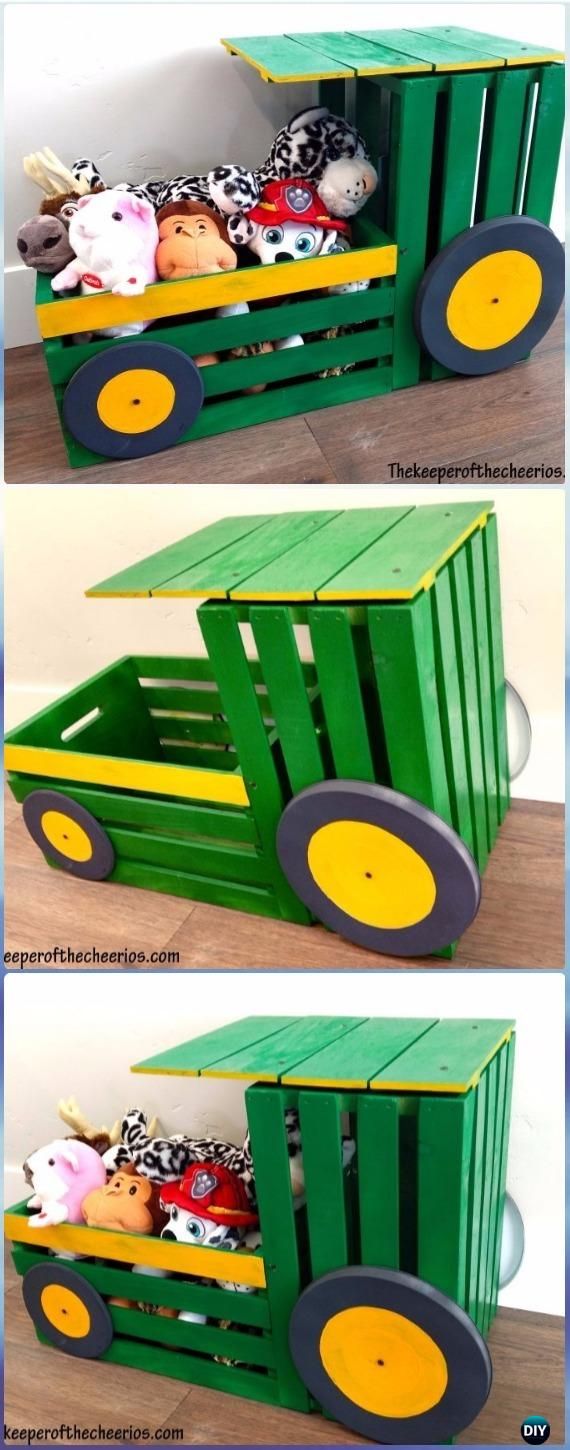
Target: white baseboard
<point x="20" y="325"/>
<point x="14" y="1184"/>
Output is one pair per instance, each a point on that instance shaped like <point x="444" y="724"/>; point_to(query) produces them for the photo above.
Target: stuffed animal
<point x="128" y="1201"/>
<point x="114" y="237"/>
<point x="207" y="1206"/>
<point x="43" y="241"/>
<point x="166" y="1159"/>
<point x="288" y="224"/>
<point x="314" y="144"/>
<point x="61" y="1175"/>
<point x="193" y="241"/>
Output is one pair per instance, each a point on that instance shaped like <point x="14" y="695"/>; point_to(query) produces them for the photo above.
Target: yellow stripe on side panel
<point x="172" y="780"/>
<point x="169" y="299"/>
<point x="240" y="1268"/>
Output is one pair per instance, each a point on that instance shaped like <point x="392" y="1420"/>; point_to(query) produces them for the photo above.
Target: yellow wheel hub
<point x="494" y="300"/>
<point x="66" y="1311"/>
<point x="383" y="1362"/>
<point x="135" y="401"/>
<point x="371" y="875"/>
<point x="66" y="835"/>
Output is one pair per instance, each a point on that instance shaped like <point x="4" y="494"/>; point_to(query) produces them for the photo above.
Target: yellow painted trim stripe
<point x="254" y="1076"/>
<point x="291" y="1080"/>
<point x="425" y="582"/>
<point x="267" y="75"/>
<point x="167" y="1071"/>
<point x="240" y="1268"/>
<point x="169" y="299"/>
<point x="487" y="64"/>
<point x="177" y="780"/>
<point x="439" y="1087"/>
<point x="557" y="55"/>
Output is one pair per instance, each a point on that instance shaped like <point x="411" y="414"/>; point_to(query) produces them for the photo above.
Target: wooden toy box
<point x="408" y="1222"/>
<point x="201" y="777"/>
<point x="465" y="128"/>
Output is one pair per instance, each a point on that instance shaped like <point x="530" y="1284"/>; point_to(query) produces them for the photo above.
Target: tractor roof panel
<point x="351" y="555"/>
<point x="385" y="1054"/>
<point x="334" y="55"/>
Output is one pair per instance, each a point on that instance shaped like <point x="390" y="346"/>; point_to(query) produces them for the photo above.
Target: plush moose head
<point x="43" y="243"/>
<point x="288" y="224"/>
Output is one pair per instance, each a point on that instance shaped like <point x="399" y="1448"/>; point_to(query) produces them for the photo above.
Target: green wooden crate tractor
<point x="466" y="276"/>
<point x="376" y="1289"/>
<point x="363" y="788"/>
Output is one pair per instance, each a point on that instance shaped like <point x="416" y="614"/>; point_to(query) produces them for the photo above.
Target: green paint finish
<point x="403" y="653"/>
<point x="359" y="1056"/>
<point x="477" y="585"/>
<point x="545" y="144"/>
<point x="199" y="1338"/>
<point x="338" y="675"/>
<point x="307" y="567"/>
<point x="296" y="362"/>
<point x="321" y="1136"/>
<point x="277" y="649"/>
<point x="224" y="573"/>
<point x="476" y="1191"/>
<point x="466" y="647"/>
<point x="156" y="569"/>
<point x="449" y="1058"/>
<point x="190" y="1368"/>
<point x="173" y="1293"/>
<point x="377" y="1145"/>
<point x="266" y="1119"/>
<point x="155" y="815"/>
<point x="225" y="648"/>
<point x="495" y="1185"/>
<point x="281" y="59"/>
<point x="451" y="717"/>
<point x="122" y="727"/>
<point x="411" y="150"/>
<point x="503" y="1173"/>
<point x="405" y="558"/>
<point x="226" y="863"/>
<point x="256" y="899"/>
<point x="462" y="133"/>
<point x="190" y="670"/>
<point x="497" y="45"/>
<point x="445" y="1128"/>
<point x="433" y="49"/>
<point x="277" y="1058"/>
<point x="480" y="1315"/>
<point x="497" y="667"/>
<point x="191" y="1057"/>
<point x="500" y="165"/>
<point x="364" y="56"/>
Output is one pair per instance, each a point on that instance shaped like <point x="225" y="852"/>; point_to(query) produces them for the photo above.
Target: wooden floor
<point x="520" y="922"/>
<point x="43" y="1387"/>
<point x="516" y="416"/>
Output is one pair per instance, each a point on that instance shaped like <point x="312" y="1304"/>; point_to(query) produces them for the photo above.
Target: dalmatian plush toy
<point x="315" y="144"/>
<point x="166" y="1159"/>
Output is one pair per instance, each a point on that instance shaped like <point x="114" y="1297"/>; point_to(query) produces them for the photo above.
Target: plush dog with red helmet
<point x="208" y="1206"/>
<point x="288" y="223"/>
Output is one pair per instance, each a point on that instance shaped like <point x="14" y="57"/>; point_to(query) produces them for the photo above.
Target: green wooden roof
<point x="334" y="54"/>
<point x="351" y="555"/>
<point x="382" y="1053"/>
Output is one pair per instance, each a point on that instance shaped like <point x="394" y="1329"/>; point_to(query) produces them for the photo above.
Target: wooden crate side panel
<point x="198" y="1338"/>
<point x="121" y="728"/>
<point x="225" y="648"/>
<point x="478" y="592"/>
<point x="190" y="1368"/>
<point x="504" y="127"/>
<point x="148" y="814"/>
<point x="411" y="151"/>
<point x="445" y="1130"/>
<point x="502" y="1175"/>
<point x="320" y="1121"/>
<point x="244" y="865"/>
<point x="489" y="1150"/>
<point x="266" y="1119"/>
<point x="476" y="1191"/>
<point x="279" y="658"/>
<point x="466" y="648"/>
<point x="339" y="681"/>
<point x="256" y="899"/>
<point x="403" y="654"/>
<point x="496" y="662"/>
<point x="545" y="144"/>
<point x="502" y="1064"/>
<point x="451" y="713"/>
<point x="377" y="1146"/>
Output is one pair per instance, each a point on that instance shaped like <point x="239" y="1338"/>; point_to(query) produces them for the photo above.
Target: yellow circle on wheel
<point x="494" y="300"/>
<point x="136" y="400"/>
<point x="66" y="1311"/>
<point x="370" y="874"/>
<point x="383" y="1362"/>
<point x="66" y="835"/>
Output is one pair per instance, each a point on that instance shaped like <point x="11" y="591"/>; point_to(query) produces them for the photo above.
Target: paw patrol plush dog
<point x="289" y="223"/>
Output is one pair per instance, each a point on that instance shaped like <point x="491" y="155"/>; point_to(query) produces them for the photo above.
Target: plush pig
<point x="114" y="236"/>
<point x="61" y="1175"/>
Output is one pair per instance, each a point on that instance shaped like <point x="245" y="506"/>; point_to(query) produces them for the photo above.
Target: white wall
<point x="55" y="637"/>
<point x="78" y="1034"/>
<point x="147" y="89"/>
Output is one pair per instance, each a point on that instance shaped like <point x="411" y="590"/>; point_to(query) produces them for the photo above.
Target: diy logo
<point x="535" y="1429"/>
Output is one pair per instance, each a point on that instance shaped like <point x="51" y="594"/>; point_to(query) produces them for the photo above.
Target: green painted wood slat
<point x="445" y="1127"/>
<point x="226" y="863"/>
<point x="277" y="649"/>
<point x="477" y="586"/>
<point x="131" y="810"/>
<point x="358" y="1056"/>
<point x="424" y="45"/>
<point x="284" y="364"/>
<point x="489" y="1150"/>
<point x="502" y="137"/>
<point x="476" y="1194"/>
<point x="284" y="59"/>
<point x="411" y="149"/>
<point x="449" y="1057"/>
<point x="451" y="715"/>
<point x="266" y="1120"/>
<point x="495" y="1185"/>
<point x="278" y="540"/>
<point x="466" y="649"/>
<point x="497" y="45"/>
<point x="497" y="666"/>
<point x="220" y="631"/>
<point x="403" y="560"/>
<point x="197" y="1053"/>
<point x="339" y="681"/>
<point x="191" y="669"/>
<point x="377" y="1146"/>
<point x="503" y="1174"/>
<point x="252" y="1349"/>
<point x="403" y="654"/>
<point x="321" y="1136"/>
<point x="190" y="1368"/>
<point x="318" y="558"/>
<point x="277" y="1057"/>
<point x="365" y="57"/>
<point x="545" y="144"/>
<point x="256" y="899"/>
<point x="144" y="576"/>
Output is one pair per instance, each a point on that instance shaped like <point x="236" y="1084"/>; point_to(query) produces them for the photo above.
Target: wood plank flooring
<point x="520" y="922"/>
<point x="515" y="416"/>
